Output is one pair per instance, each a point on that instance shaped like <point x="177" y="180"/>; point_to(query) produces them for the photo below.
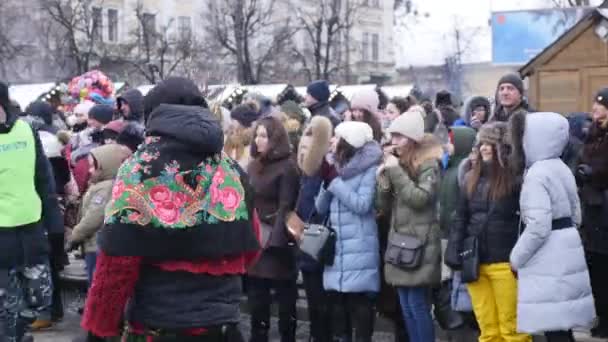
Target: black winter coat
<point x="495" y="223"/>
<point x="594" y="191"/>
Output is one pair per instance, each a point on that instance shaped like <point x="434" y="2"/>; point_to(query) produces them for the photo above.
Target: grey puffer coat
<point x="554" y="291"/>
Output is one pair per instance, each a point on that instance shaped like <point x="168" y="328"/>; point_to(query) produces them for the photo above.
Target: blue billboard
<point x="518" y="36"/>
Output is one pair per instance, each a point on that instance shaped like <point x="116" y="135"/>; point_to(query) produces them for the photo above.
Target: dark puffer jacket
<point x="497" y="232"/>
<point x="594" y="190"/>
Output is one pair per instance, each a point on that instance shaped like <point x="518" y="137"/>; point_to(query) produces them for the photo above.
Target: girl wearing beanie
<point x="364" y="108"/>
<point x="347" y="195"/>
<point x="408" y="186"/>
<point x="487" y="213"/>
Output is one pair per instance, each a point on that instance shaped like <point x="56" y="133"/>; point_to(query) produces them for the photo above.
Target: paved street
<point x="69" y="327"/>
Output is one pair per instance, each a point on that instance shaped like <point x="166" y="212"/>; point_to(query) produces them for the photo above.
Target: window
<point x="184" y="27"/>
<point x="112" y="25"/>
<point x="375" y="47"/>
<point x="365" y="47"/>
<point x="148" y="22"/>
<point x="96" y="24"/>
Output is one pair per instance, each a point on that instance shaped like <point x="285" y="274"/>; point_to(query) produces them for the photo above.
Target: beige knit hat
<point x="408" y="124"/>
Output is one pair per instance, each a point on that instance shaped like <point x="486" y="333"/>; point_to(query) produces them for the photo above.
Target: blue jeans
<point x="416" y="307"/>
<point x="90" y="259"/>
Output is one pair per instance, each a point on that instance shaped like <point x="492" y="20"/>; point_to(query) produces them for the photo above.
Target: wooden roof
<point x="565" y="39"/>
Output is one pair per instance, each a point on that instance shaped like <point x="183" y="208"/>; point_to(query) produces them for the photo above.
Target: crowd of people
<point x="493" y="218"/>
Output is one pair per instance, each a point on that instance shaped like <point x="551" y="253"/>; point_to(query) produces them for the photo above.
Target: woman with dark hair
<point x="395" y="107"/>
<point x="407" y="190"/>
<point x="487" y="210"/>
<point x="364" y="108"/>
<point x="274" y="178"/>
<point x="349" y="181"/>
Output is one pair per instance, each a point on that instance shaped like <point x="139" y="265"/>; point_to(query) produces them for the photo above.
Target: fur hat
<point x="409" y="124"/>
<point x="513" y="79"/>
<point x="319" y="90"/>
<point x="355" y="133"/>
<point x="245" y="114"/>
<point x="515" y="138"/>
<point x="443" y="98"/>
<point x="494" y="133"/>
<point x="365" y="99"/>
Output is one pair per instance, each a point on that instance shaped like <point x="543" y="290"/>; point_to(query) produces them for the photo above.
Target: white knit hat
<point x="83" y="108"/>
<point x="355" y="133"/>
<point x="408" y="124"/>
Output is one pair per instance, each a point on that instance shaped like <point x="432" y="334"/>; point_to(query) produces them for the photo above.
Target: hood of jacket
<point x="472" y="103"/>
<point x="109" y="159"/>
<point x="314" y="144"/>
<point x="11" y="118"/>
<point x="464" y="139"/>
<point x="545" y="136"/>
<point x="367" y="156"/>
<point x="136" y="102"/>
<point x="193" y="126"/>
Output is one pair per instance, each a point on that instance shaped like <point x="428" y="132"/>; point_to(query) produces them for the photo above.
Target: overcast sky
<point x="432" y="36"/>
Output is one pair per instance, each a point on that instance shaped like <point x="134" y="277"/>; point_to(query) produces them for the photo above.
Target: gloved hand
<point x="328" y="173"/>
<point x="583" y="173"/>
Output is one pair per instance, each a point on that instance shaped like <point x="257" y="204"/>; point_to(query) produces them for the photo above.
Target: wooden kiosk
<point x="566" y="75"/>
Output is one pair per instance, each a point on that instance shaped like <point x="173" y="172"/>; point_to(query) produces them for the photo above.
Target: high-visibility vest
<point x="20" y="203"/>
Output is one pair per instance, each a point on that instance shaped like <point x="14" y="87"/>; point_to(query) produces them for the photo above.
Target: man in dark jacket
<point x="131" y="105"/>
<point x="510" y="98"/>
<point x="25" y="280"/>
<point x="317" y="101"/>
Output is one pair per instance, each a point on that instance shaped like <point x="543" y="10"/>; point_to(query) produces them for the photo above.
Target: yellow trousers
<point x="494" y="298"/>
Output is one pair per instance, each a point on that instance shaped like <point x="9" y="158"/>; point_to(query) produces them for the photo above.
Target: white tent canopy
<point x="25" y="94"/>
<point x="401" y="90"/>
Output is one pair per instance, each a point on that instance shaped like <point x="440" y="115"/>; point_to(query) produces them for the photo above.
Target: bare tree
<point x="326" y="27"/>
<point x="250" y="32"/>
<point x="11" y="46"/>
<point x="76" y="27"/>
<point x="570" y="3"/>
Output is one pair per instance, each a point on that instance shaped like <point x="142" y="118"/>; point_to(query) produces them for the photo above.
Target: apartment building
<point x="368" y="48"/>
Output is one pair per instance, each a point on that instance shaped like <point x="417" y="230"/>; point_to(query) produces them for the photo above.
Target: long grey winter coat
<point x="554" y="291"/>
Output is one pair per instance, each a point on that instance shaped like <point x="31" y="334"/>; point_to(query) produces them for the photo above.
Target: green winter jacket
<point x="464" y="138"/>
<point x="413" y="207"/>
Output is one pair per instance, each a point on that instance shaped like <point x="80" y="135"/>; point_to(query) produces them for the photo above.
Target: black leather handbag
<point x="470" y="253"/>
<point x="404" y="251"/>
<point x="319" y="242"/>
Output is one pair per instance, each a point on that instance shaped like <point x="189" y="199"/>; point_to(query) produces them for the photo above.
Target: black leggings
<point x="352" y="311"/>
<point x="559" y="336"/>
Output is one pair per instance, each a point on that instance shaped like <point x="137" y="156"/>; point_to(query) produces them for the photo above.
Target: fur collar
<point x="314" y="145"/>
<point x="429" y="150"/>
